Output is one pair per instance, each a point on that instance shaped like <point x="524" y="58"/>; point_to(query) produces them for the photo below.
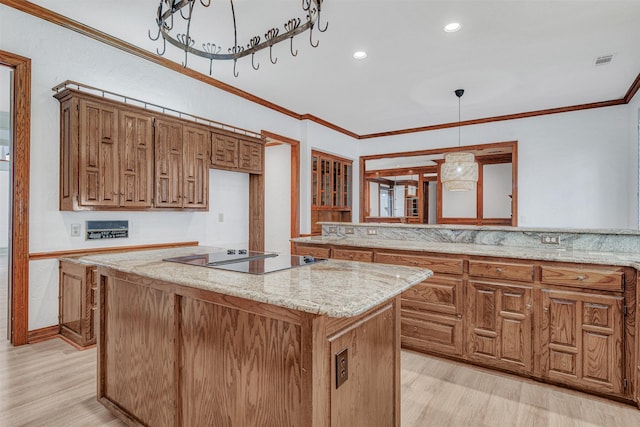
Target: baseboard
<point x="43" y="334"/>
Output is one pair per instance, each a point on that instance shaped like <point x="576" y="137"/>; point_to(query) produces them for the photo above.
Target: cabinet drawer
<point x="435" y="264"/>
<point x="353" y="255"/>
<point x="431" y="332"/>
<point x="592" y="278"/>
<point x="501" y="270"/>
<point x="314" y="251"/>
<point x="436" y="294"/>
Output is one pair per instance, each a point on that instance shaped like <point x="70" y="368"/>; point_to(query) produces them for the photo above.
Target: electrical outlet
<point x="550" y="239"/>
<point x="333" y="229"/>
<point x="342" y="367"/>
<point x="372" y="231"/>
<point x="348" y="230"/>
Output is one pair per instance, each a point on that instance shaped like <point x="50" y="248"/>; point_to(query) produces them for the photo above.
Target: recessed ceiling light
<point x="452" y="27"/>
<point x="361" y="54"/>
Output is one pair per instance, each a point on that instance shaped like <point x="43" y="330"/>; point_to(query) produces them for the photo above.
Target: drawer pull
<point x="581" y="278"/>
<point x="498" y="270"/>
<point x="415" y="262"/>
<point x="415" y="329"/>
<point x="459" y="316"/>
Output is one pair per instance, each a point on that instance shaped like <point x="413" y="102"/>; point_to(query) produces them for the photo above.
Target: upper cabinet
<point x="115" y="156"/>
<point x="136" y="159"/>
<point x="236" y="152"/>
<point x="330" y="189"/>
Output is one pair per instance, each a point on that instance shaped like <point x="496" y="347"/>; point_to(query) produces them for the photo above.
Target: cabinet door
<point x="224" y="151"/>
<point x="250" y="157"/>
<point x="499" y="330"/>
<point x="582" y="340"/>
<point x="197" y="145"/>
<point x="136" y="159"/>
<point x="168" y="151"/>
<point x="98" y="155"/>
<point x="76" y="305"/>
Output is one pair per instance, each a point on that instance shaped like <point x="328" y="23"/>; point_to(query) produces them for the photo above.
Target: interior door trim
<point x="19" y="216"/>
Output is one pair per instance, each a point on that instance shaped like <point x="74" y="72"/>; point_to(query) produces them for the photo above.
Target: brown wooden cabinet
<point x="182" y="165"/>
<point x="564" y="323"/>
<point x="136" y="155"/>
<point x="582" y="340"/>
<point x="331" y="184"/>
<point x="116" y="156"/>
<point x="432" y="311"/>
<point x="77" y="302"/>
<point x="499" y="325"/>
<point x="98" y="154"/>
<point x="236" y="152"/>
<point x="168" y="158"/>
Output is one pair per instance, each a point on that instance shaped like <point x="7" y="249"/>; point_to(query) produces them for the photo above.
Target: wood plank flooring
<point x="52" y="384"/>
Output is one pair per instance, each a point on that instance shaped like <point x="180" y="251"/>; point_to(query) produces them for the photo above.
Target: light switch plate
<point x="75" y="230"/>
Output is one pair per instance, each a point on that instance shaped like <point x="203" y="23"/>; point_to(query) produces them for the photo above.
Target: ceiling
<point x="510" y="56"/>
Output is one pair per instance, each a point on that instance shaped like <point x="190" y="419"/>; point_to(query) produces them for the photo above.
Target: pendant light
<point x="459" y="171"/>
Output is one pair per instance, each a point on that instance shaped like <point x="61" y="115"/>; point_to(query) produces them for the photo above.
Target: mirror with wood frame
<point x="405" y="187"/>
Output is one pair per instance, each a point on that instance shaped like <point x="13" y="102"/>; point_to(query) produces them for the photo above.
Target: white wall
<point x="576" y="169"/>
<point x="496" y="189"/>
<point x="277" y="213"/>
<point x="58" y="54"/>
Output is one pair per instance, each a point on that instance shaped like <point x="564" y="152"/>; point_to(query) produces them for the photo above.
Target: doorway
<point x="282" y="192"/>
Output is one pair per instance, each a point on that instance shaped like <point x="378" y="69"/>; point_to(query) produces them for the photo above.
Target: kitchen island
<point x="316" y="345"/>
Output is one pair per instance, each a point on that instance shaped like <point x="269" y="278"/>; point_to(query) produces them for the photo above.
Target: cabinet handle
<point x="459" y="316"/>
<point x="528" y="306"/>
<point x="415" y="329"/>
<point x="545" y="309"/>
<point x="581" y="278"/>
<point x="498" y="269"/>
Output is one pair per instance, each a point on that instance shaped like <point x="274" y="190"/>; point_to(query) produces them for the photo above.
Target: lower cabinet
<point x="78" y="293"/>
<point x="499" y="331"/>
<point x="431" y="317"/>
<point x="582" y="340"/>
<point x="570" y="324"/>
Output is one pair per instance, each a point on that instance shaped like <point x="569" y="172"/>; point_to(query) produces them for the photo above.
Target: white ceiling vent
<point x="603" y="60"/>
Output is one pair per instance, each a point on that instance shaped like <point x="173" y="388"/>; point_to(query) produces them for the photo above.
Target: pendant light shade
<point x="459" y="171"/>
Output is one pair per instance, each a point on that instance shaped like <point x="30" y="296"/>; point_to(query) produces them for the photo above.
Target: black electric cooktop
<point x="246" y="261"/>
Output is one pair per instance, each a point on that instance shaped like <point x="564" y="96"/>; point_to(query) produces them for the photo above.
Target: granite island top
<point x="625" y="259"/>
<point x="333" y="288"/>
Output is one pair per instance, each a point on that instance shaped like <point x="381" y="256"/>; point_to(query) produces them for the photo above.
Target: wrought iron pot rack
<point x="168" y="9"/>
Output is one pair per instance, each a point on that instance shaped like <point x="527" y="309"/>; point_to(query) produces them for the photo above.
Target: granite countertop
<point x="333" y="288"/>
<point x="624" y="259"/>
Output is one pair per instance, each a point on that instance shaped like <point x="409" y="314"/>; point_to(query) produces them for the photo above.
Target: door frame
<point x="274" y="139"/>
<point x="18" y="330"/>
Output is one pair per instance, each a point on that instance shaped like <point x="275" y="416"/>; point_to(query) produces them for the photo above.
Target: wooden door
<point x="98" y="155"/>
<point x="224" y="151"/>
<point x="168" y="164"/>
<point x="582" y="340"/>
<point x="196" y="159"/>
<point x="136" y="159"/>
<point x="499" y="332"/>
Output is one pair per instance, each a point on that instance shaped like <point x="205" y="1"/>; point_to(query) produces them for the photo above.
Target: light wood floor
<point x="52" y="384"/>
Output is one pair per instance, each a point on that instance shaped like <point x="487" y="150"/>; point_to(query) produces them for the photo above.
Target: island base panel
<point x="173" y="356"/>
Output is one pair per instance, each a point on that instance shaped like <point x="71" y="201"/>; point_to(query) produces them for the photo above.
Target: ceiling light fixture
<point x="361" y="54"/>
<point x="459" y="171"/>
<point x="174" y="25"/>
<point x="452" y="27"/>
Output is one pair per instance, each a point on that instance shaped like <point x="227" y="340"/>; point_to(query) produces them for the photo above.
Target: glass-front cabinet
<point x="330" y="189"/>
